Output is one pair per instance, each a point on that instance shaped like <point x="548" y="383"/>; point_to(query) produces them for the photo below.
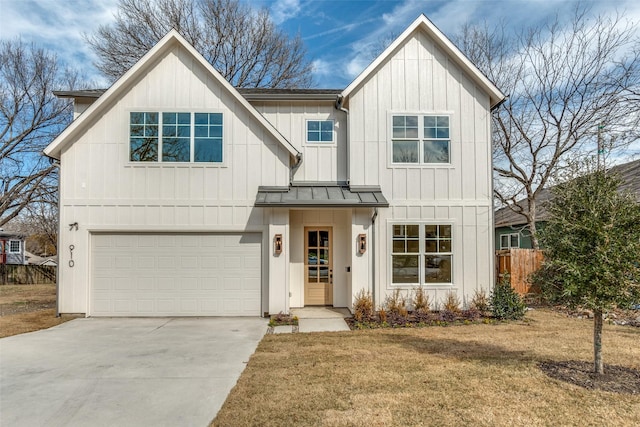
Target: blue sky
<point x="340" y="35"/>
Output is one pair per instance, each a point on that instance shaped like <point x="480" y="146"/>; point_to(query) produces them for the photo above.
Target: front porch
<point x="322" y="239"/>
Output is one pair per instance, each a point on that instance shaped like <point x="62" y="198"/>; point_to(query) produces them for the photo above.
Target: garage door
<point x="175" y="274"/>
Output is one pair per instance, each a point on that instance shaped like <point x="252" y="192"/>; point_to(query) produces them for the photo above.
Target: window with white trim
<point x="420" y="139"/>
<point x="421" y="254"/>
<point x="320" y="131"/>
<point x="14" y="246"/>
<point x="508" y="241"/>
<point x="182" y="137"/>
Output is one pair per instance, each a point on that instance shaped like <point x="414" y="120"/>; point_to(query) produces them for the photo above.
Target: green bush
<point x="505" y="303"/>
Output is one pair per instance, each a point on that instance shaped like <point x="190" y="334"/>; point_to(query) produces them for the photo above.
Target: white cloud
<point x="283" y="10"/>
<point x="59" y="26"/>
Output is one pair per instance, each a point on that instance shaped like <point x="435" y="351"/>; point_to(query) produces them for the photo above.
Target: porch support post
<point x="279" y="262"/>
<point x="360" y="262"/>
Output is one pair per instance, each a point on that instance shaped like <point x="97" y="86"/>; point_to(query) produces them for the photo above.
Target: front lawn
<point x="27" y="308"/>
<point x="481" y="374"/>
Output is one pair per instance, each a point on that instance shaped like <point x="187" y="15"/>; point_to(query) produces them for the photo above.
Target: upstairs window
<point x="420" y="139"/>
<point x="320" y="131"/>
<point x="181" y="137"/>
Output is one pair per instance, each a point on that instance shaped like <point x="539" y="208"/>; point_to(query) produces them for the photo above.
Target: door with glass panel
<point x="318" y="266"/>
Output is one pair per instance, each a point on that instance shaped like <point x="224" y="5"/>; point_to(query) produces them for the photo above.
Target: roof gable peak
<point x="423" y="23"/>
<point x="119" y="87"/>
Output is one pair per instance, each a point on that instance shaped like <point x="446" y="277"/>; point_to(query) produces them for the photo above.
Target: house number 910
<point x="71" y="248"/>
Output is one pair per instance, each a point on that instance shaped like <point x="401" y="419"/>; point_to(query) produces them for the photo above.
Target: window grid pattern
<point x="426" y="144"/>
<point x="320" y="131"/>
<point x="182" y="137"/>
<point x="143" y="137"/>
<point x="176" y="137"/>
<point x="208" y="137"/>
<point x="421" y="254"/>
<point x="14" y="246"/>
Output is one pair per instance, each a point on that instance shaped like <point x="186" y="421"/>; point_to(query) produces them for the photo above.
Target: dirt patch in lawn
<point x="616" y="379"/>
<point x="28" y="308"/>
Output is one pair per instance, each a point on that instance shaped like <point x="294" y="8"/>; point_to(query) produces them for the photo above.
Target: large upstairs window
<point x="182" y="137"/>
<point x="420" y="139"/>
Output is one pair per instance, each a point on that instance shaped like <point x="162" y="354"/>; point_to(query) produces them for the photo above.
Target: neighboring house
<point x="11" y="248"/>
<point x="511" y="229"/>
<point x="32" y="259"/>
<point x="181" y="195"/>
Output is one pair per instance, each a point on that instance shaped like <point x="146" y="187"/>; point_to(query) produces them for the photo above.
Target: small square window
<point x="319" y="131"/>
<point x="14" y="246"/>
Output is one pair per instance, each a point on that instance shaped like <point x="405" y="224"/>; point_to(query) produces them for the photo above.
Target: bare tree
<point x="567" y="87"/>
<point x="242" y="43"/>
<point x="30" y="117"/>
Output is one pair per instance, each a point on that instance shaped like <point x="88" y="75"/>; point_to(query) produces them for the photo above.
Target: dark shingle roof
<point x="248" y="93"/>
<point x="629" y="173"/>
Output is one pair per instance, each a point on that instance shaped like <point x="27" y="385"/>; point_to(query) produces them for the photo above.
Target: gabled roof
<point x="424" y="24"/>
<point x="120" y="86"/>
<point x="629" y="174"/>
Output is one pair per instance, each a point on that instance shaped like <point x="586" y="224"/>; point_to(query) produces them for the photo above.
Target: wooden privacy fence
<point x="27" y="274"/>
<point x="519" y="264"/>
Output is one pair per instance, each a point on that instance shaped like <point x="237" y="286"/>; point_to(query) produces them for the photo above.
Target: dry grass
<point x="485" y="375"/>
<point x="27" y="308"/>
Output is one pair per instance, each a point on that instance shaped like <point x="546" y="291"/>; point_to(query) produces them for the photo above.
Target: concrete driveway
<point x="124" y="372"/>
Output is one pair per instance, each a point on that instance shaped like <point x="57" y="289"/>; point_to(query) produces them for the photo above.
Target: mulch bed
<point x="616" y="379"/>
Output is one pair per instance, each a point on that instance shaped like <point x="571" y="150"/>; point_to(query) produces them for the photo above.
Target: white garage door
<point x="175" y="274"/>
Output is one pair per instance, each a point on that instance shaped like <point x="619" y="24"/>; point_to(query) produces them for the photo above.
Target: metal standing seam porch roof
<point x="328" y="195"/>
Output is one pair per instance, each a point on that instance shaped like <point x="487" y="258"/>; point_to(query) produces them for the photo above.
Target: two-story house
<point x="181" y="195"/>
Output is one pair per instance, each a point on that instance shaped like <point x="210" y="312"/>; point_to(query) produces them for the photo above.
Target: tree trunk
<point x="532" y="224"/>
<point x="597" y="341"/>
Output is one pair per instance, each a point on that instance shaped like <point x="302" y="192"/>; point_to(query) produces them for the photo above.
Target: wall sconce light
<point x="362" y="243"/>
<point x="277" y="244"/>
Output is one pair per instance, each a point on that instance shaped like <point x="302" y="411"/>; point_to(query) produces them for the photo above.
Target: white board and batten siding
<point x="326" y="162"/>
<point x="104" y="192"/>
<point x="419" y="78"/>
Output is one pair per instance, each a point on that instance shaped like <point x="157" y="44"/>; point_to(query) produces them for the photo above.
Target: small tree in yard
<point x="592" y="249"/>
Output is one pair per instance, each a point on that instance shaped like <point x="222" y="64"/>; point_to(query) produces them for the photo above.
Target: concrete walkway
<point x="321" y="319"/>
<point x="124" y="372"/>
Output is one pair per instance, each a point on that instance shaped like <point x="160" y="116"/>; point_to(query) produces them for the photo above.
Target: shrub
<point x="420" y="300"/>
<point x="382" y="314"/>
<point x="480" y="302"/>
<point x="451" y="303"/>
<point x="505" y="303"/>
<point x="281" y="319"/>
<point x="363" y="306"/>
<point x="396" y="304"/>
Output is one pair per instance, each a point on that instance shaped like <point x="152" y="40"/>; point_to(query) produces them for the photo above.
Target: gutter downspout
<point x="339" y="106"/>
<point x="294" y="168"/>
<point x="373" y="256"/>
